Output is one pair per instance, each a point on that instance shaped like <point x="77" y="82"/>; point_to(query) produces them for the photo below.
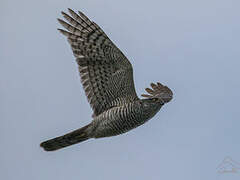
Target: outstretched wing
<point x="159" y="91"/>
<point x="106" y="74"/>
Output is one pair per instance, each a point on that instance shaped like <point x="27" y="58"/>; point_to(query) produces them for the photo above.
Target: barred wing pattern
<point x="106" y="74"/>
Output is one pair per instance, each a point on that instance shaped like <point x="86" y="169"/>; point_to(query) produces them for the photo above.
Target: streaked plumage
<point x="107" y="78"/>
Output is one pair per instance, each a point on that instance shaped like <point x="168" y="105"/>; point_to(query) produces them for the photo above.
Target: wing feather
<point x="106" y="74"/>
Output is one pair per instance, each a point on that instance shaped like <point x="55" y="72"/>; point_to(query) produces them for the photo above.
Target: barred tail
<point x="69" y="139"/>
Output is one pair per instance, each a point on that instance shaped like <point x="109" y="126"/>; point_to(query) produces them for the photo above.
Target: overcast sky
<point x="191" y="46"/>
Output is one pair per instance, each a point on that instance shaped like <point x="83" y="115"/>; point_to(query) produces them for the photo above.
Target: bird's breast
<point x="118" y="120"/>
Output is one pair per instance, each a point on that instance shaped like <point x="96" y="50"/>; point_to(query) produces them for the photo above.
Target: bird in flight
<point x="107" y="78"/>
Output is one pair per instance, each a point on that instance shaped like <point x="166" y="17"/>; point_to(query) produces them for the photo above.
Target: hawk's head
<point x="159" y="93"/>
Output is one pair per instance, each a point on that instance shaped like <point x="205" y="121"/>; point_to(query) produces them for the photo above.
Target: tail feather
<point x="69" y="139"/>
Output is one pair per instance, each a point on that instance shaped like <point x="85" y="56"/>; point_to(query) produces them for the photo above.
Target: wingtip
<point x="81" y="13"/>
<point x="62" y="31"/>
<point x="62" y="22"/>
<point x="63" y="13"/>
<point x="145" y="95"/>
<point x="59" y="20"/>
<point x="70" y="10"/>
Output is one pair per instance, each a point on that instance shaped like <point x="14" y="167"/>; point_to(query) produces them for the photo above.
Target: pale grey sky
<point x="191" y="46"/>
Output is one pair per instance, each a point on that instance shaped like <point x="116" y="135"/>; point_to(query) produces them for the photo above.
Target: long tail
<point x="69" y="139"/>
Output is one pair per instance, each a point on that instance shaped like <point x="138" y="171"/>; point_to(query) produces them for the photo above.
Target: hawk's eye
<point x="154" y="99"/>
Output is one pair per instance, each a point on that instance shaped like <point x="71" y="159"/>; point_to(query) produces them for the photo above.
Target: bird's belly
<point x="117" y="123"/>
